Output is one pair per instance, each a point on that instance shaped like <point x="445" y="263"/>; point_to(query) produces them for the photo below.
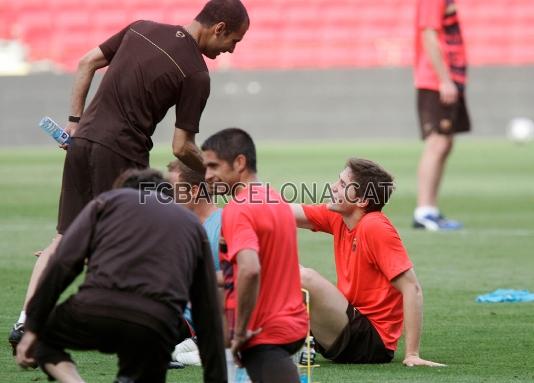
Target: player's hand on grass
<point x="25" y="350"/>
<point x="448" y="92"/>
<point x="415" y="360"/>
<point x="239" y="341"/>
<point x="70" y="128"/>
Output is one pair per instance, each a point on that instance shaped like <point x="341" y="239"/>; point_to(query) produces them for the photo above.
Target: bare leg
<point x="64" y="372"/>
<point x="431" y="166"/>
<point x="328" y="307"/>
<point x="39" y="267"/>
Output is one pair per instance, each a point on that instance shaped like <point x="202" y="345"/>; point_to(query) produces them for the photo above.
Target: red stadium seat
<point x="283" y="33"/>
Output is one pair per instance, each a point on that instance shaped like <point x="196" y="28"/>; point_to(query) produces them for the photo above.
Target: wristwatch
<point x="74" y="119"/>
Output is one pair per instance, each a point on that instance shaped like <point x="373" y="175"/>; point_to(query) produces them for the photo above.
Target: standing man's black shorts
<point x="272" y="363"/>
<point x="436" y="117"/>
<point x="143" y="353"/>
<point x="359" y="342"/>
<point x="90" y="169"/>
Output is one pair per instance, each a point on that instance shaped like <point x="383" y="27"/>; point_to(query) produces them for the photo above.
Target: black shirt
<point x="145" y="260"/>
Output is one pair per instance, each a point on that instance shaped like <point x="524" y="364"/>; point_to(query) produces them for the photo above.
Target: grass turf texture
<point x="488" y="185"/>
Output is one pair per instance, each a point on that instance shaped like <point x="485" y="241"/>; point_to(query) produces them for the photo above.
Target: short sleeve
<point x="213" y="229"/>
<point x="111" y="45"/>
<point x="386" y="248"/>
<point x="192" y="100"/>
<point x="430" y="14"/>
<point x="320" y="217"/>
<point x="238" y="229"/>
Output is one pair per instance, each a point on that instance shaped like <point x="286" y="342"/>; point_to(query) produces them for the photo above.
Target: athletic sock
<point x="422" y="211"/>
<point x="22" y="317"/>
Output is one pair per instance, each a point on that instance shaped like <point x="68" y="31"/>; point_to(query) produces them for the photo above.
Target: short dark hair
<point x="135" y="178"/>
<point x="375" y="184"/>
<point x="232" y="12"/>
<point x="231" y="142"/>
<point x="188" y="175"/>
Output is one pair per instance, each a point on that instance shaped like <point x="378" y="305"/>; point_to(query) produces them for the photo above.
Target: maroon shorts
<point x="436" y="117"/>
<point x="359" y="342"/>
<point x="90" y="169"/>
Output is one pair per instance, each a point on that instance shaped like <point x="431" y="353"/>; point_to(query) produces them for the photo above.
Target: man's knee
<point x="441" y="144"/>
<point x="307" y="277"/>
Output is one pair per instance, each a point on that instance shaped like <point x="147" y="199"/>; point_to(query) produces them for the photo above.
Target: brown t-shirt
<point x="152" y="67"/>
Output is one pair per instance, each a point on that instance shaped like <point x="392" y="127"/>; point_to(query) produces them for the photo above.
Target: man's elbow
<point x="179" y="150"/>
<point x="87" y="64"/>
<point x="251" y="272"/>
<point x="416" y="290"/>
<point x="92" y="60"/>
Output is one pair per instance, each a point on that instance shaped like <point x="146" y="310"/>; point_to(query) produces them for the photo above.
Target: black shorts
<point x="436" y="117"/>
<point x="142" y="352"/>
<point x="90" y="169"/>
<point x="359" y="342"/>
<point x="272" y="363"/>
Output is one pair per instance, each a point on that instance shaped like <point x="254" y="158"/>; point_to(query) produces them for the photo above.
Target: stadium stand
<point x="285" y="33"/>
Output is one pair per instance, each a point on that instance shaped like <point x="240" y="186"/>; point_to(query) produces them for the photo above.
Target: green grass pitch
<point x="489" y="185"/>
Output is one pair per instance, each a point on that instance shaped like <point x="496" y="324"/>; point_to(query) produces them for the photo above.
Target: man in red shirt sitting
<point x="361" y="320"/>
<point x="259" y="262"/>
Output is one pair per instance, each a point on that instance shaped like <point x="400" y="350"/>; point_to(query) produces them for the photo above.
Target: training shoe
<point x="174" y="365"/>
<point x="186" y="353"/>
<point x="191" y="358"/>
<point x="187" y="345"/>
<point x="436" y="223"/>
<point x="15" y="336"/>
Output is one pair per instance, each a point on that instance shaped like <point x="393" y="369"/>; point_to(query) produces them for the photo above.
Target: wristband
<point x="74" y="119"/>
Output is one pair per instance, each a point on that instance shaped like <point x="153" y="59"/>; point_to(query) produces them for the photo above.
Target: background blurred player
<point x="190" y="191"/>
<point x="265" y="313"/>
<point x="145" y="261"/>
<point x="440" y="78"/>
<point x="360" y="320"/>
<point x="151" y="67"/>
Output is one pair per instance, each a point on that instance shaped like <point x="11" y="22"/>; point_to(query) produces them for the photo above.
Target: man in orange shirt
<point x="361" y="320"/>
<point x="265" y="312"/>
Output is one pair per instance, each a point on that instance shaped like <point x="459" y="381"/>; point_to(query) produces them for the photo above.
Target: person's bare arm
<point x="185" y="149"/>
<point x="88" y="65"/>
<point x="220" y="294"/>
<point x="412" y="296"/>
<point x="248" y="286"/>
<point x="447" y="89"/>
<point x="300" y="217"/>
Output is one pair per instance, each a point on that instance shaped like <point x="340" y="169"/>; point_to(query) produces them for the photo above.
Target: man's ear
<point x="240" y="163"/>
<point x="220" y="28"/>
<point x="362" y="203"/>
<point x="194" y="191"/>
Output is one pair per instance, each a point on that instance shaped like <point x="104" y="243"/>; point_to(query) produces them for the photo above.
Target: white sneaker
<point x="191" y="358"/>
<point x="187" y="353"/>
<point x="186" y="346"/>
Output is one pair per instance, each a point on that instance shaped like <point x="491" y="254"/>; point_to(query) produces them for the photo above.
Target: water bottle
<point x="54" y="130"/>
<point x="307" y="353"/>
<point x="235" y="374"/>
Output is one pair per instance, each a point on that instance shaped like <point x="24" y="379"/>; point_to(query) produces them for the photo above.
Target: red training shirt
<point x="258" y="219"/>
<point x="367" y="258"/>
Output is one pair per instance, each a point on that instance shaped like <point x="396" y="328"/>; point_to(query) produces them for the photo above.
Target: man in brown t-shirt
<point x="151" y="67"/>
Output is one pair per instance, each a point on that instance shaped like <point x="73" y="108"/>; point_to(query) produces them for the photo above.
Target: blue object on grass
<point x="506" y="295"/>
